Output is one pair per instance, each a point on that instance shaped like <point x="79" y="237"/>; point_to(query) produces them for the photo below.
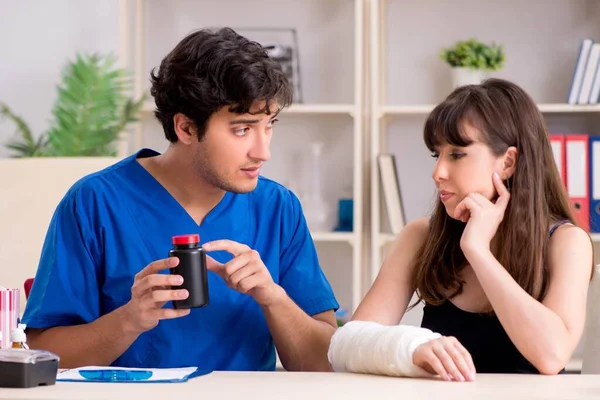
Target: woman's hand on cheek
<point x="482" y="218"/>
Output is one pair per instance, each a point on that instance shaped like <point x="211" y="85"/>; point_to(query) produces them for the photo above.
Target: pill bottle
<point x="192" y="267"/>
<point x="18" y="337"/>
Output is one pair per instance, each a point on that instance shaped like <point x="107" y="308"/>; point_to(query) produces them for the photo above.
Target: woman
<point x="501" y="266"/>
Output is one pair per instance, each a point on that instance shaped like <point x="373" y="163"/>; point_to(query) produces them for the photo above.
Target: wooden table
<point x="313" y="386"/>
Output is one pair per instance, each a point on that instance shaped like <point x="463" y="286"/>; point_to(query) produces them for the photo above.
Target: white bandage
<point x="372" y="348"/>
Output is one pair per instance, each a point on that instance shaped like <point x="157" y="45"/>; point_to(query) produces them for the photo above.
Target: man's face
<point x="233" y="149"/>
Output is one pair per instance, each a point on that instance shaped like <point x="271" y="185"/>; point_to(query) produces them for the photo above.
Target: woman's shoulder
<point x="567" y="239"/>
<point x="565" y="230"/>
<point x="416" y="230"/>
<point x="410" y="239"/>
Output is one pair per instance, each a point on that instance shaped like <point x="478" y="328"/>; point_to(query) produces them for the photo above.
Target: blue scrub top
<point x="113" y="223"/>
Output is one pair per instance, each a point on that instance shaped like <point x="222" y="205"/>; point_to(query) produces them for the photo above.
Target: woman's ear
<point x="509" y="163"/>
<point x="184" y="128"/>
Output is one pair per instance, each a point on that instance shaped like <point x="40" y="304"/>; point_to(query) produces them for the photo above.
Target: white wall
<point x="38" y="38"/>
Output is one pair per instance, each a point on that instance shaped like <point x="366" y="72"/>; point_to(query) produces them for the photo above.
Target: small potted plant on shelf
<point x="471" y="60"/>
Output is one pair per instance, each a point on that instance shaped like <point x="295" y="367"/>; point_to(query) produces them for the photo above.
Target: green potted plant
<point x="91" y="111"/>
<point x="471" y="60"/>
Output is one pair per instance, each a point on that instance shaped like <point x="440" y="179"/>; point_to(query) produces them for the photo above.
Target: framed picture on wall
<point x="282" y="45"/>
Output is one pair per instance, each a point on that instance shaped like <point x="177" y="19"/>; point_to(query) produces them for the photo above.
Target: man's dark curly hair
<point x="210" y="69"/>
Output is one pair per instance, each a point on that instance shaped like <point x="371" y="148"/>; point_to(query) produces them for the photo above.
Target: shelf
<point x="149" y="106"/>
<point x="386" y="238"/>
<point x="333" y="237"/>
<point x="321" y="109"/>
<point x="331" y="96"/>
<point x="568" y="108"/>
<point x="574" y="365"/>
<point x="415" y="109"/>
<point x="422" y="109"/>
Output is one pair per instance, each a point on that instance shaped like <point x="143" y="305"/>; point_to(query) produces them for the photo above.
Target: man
<point x="102" y="291"/>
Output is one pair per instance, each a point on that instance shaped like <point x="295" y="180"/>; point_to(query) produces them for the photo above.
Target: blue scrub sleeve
<point x="301" y="275"/>
<point x="65" y="289"/>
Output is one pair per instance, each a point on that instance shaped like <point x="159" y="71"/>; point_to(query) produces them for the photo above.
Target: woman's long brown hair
<point x="505" y="116"/>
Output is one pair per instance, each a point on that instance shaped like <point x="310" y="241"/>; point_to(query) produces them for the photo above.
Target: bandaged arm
<point x="372" y="348"/>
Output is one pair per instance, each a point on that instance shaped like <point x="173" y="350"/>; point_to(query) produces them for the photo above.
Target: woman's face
<point x="463" y="170"/>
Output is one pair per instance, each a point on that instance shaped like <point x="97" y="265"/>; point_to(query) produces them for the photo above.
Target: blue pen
<point x="115" y="375"/>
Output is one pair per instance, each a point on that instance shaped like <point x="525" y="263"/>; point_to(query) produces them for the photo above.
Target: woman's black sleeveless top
<point x="481" y="334"/>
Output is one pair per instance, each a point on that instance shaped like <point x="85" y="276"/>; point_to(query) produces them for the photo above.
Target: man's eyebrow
<point x="244" y="121"/>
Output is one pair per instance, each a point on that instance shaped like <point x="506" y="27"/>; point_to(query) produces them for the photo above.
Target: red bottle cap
<point x="186" y="239"/>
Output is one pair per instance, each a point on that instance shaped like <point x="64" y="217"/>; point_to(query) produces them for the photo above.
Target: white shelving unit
<point x="401" y="92"/>
<point x="378" y="84"/>
<point x="150" y="24"/>
<point x="425" y="109"/>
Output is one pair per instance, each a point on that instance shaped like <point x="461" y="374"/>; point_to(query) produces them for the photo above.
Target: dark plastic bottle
<point x="192" y="267"/>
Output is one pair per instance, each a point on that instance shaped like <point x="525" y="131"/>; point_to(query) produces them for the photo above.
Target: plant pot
<point x="31" y="190"/>
<point x="462" y="76"/>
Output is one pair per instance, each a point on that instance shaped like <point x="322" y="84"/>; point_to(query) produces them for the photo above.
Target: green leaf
<point x="24" y="145"/>
<point x="93" y="107"/>
<point x="474" y="54"/>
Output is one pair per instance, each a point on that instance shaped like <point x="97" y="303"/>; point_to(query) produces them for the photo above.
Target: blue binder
<point x="594" y="175"/>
